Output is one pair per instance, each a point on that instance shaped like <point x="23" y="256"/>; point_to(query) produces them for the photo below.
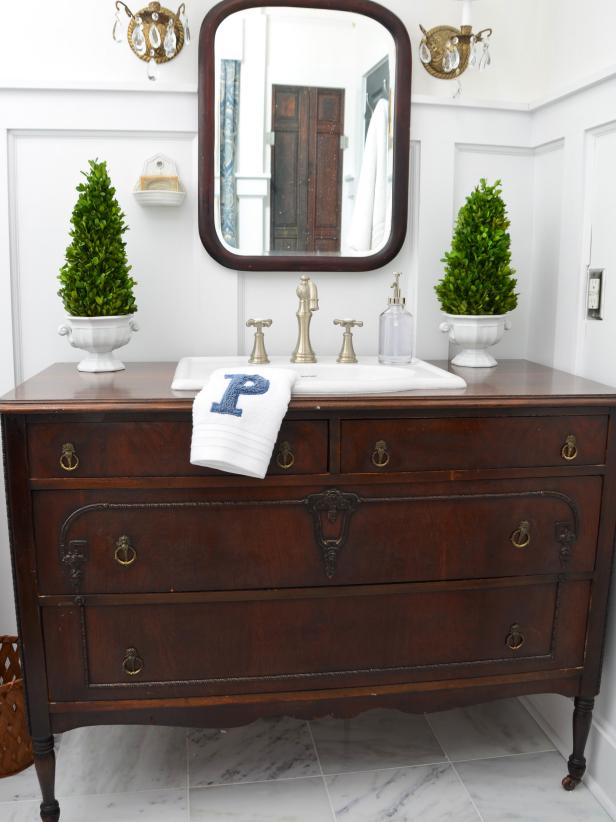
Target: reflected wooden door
<point x="306" y="190"/>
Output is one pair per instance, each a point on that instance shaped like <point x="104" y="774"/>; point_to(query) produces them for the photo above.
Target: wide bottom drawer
<point x="310" y="638"/>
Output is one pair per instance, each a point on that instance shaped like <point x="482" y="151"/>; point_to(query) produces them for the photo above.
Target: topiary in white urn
<point x="96" y="286"/>
<point x="478" y="289"/>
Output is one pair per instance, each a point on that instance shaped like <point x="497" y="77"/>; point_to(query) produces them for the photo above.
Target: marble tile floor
<point x="488" y="763"/>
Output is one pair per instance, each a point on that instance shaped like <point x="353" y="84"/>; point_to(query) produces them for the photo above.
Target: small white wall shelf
<point x="167" y="192"/>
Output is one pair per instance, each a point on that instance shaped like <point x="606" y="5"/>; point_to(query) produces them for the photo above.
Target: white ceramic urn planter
<point x="475" y="334"/>
<point x="100" y="337"/>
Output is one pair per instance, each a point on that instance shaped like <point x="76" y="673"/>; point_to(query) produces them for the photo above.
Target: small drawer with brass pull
<point x="156" y="449"/>
<point x="515" y="637"/>
<point x="124" y="554"/>
<point x="132" y="664"/>
<point x="472" y="443"/>
<point x="521" y="536"/>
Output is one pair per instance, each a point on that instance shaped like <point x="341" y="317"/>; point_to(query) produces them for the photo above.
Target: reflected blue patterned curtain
<point x="229" y="119"/>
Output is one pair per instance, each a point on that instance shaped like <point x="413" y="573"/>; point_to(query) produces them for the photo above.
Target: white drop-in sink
<point x="326" y="377"/>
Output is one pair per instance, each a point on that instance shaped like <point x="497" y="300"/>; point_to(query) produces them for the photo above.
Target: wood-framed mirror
<point x="304" y="134"/>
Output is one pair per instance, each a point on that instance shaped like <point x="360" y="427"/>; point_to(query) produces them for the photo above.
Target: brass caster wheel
<point x="570" y="783"/>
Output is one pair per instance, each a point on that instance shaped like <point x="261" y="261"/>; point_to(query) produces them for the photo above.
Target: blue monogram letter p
<point x="240" y="384"/>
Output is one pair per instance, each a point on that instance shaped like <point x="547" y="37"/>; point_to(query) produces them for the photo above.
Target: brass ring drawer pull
<point x="69" y="460"/>
<point x="124" y="554"/>
<point x="569" y="450"/>
<point x="132" y="664"/>
<point x="521" y="536"/>
<point x="285" y="458"/>
<point x="380" y="455"/>
<point x="515" y="638"/>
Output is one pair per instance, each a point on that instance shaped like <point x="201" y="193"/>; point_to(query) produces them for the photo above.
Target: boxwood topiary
<point x="95" y="279"/>
<point x="478" y="277"/>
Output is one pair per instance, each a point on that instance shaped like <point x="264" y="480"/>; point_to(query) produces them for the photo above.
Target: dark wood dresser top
<point x="143" y="386"/>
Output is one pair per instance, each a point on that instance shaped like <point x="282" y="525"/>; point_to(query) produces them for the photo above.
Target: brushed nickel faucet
<point x="308" y="303"/>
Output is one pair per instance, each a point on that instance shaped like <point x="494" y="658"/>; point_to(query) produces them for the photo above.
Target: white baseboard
<point x="600" y="752"/>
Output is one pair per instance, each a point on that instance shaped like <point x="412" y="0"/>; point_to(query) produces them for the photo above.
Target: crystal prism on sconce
<point x="446" y="52"/>
<point x="154" y="33"/>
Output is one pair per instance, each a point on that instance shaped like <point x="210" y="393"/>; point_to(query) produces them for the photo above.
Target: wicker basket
<point x="15" y="744"/>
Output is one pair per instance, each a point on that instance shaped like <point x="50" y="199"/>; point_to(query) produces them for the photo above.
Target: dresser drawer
<point x="139" y="541"/>
<point x="301" y="639"/>
<point x="156" y="449"/>
<point x="472" y="442"/>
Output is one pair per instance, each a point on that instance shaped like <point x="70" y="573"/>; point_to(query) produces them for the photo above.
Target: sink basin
<point x="327" y="377"/>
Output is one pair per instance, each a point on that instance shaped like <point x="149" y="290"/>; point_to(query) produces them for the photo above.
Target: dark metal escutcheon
<point x="132" y="663"/>
<point x="285" y="458"/>
<point x="124" y="554"/>
<point x="515" y="637"/>
<point x="380" y="455"/>
<point x="69" y="460"/>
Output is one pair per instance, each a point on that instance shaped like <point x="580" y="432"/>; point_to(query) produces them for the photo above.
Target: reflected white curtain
<point x="229" y="120"/>
<point x="368" y="230"/>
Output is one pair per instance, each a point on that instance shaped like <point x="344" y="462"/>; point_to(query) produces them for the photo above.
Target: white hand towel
<point x="237" y="416"/>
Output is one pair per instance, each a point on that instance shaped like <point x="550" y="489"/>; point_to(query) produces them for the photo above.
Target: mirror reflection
<point x="303" y="161"/>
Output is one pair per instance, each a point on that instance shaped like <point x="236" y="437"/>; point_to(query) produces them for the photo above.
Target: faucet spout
<point x="308" y="304"/>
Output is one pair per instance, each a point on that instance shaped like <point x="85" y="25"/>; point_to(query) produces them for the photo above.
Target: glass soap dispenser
<point x="396" y="329"/>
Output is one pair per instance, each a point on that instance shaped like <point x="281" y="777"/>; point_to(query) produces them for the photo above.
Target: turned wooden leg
<point x="45" y="764"/>
<point x="582" y="717"/>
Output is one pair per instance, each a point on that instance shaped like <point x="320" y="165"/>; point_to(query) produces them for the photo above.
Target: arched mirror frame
<point x="207" y="142"/>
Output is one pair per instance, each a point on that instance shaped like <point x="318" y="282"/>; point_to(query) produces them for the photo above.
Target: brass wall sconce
<point x="446" y="52"/>
<point x="155" y="34"/>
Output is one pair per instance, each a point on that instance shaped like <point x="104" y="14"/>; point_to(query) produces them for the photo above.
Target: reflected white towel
<point x="237" y="416"/>
<point x="369" y="222"/>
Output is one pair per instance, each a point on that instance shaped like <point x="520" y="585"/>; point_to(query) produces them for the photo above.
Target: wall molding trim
<point x="14" y="258"/>
<point x="578" y="87"/>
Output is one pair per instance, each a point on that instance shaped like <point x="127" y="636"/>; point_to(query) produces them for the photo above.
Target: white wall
<point x="556" y="162"/>
<point x="95" y="60"/>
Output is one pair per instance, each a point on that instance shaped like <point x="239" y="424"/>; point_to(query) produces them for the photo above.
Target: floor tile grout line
<point x="455" y="770"/>
<point x="71" y="796"/>
<point x="323" y="779"/>
<point x="255" y="782"/>
<point x="501" y="756"/>
<point x="428" y="764"/>
<point x="466" y="791"/>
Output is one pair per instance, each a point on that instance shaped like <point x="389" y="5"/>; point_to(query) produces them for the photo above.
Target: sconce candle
<point x="154" y="33"/>
<point x="466" y="12"/>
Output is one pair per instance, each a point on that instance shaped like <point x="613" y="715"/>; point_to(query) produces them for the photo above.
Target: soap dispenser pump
<point x="396" y="329"/>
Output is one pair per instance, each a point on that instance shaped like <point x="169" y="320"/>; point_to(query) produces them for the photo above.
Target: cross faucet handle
<point x="259" y="354"/>
<point x="258" y="324"/>
<point x="347" y="353"/>
<point x="349" y="324"/>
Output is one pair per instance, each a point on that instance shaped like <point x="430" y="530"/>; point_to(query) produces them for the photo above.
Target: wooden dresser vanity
<point x="418" y="551"/>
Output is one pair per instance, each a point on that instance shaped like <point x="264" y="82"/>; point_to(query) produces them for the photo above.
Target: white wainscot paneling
<point x="547" y="222"/>
<point x="162" y="246"/>
<point x="596" y="351"/>
<point x="514" y="167"/>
